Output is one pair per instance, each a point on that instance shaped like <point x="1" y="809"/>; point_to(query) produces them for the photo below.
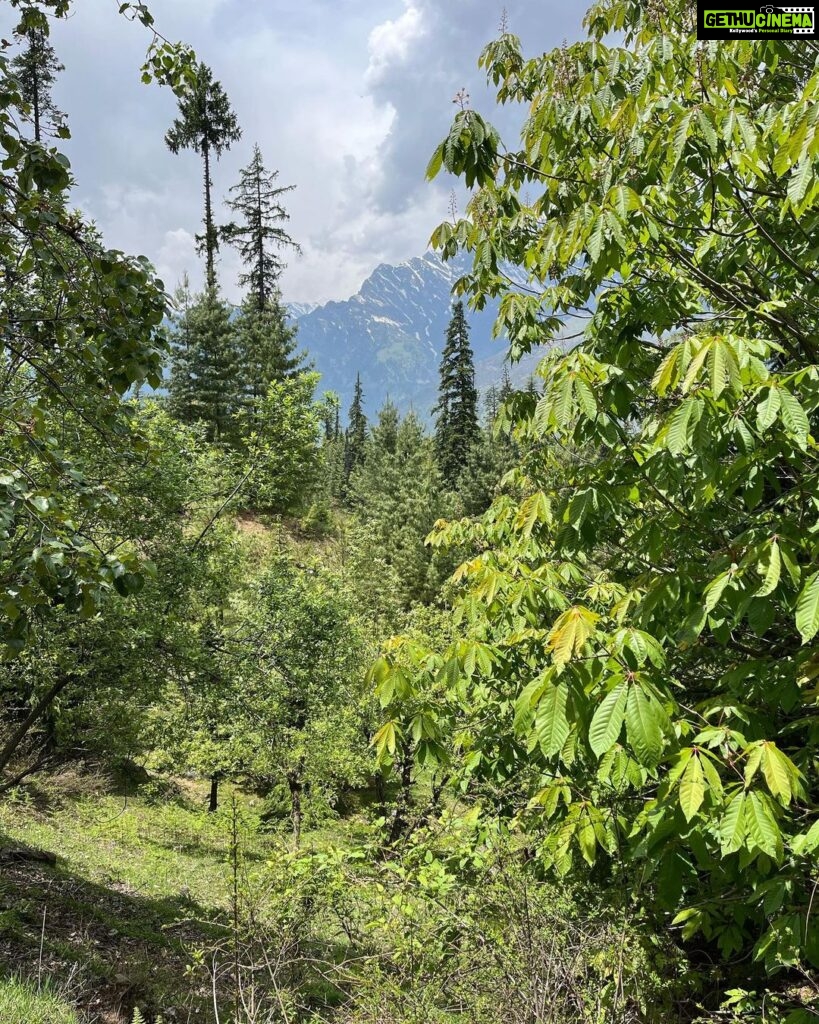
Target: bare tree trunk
<point x="210" y="242"/>
<point x="213" y="803"/>
<point x="36" y="713"/>
<point x="399" y="821"/>
<point x="296" y="812"/>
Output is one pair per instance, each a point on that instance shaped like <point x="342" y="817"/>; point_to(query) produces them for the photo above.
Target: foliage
<point x="80" y="325"/>
<point x="355" y="438"/>
<point x="36" y="70"/>
<point x="101" y="671"/>
<point x="395" y="498"/>
<point x="265" y="340"/>
<point x="456" y="424"/>
<point x="282" y="449"/>
<point x="207" y="125"/>
<point x="637" y="668"/>
<point x="257" y="200"/>
<point x="205" y="385"/>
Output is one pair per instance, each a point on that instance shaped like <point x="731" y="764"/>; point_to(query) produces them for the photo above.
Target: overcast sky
<point x="347" y="99"/>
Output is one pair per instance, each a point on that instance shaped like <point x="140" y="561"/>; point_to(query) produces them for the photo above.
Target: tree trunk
<point x="399" y="822"/>
<point x="260" y="244"/>
<point x="213" y="804"/>
<point x="36" y="713"/>
<point x="296" y="812"/>
<point x="210" y="261"/>
<point x="36" y="105"/>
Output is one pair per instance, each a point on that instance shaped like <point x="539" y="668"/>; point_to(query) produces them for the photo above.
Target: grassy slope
<point x="138" y="886"/>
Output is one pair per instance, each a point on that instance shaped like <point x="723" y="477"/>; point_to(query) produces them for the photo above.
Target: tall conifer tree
<point x="205" y="382"/>
<point x="356" y="437"/>
<point x="207" y="125"/>
<point x="36" y="70"/>
<point x="456" y="425"/>
<point x="265" y="335"/>
<point x="258" y="236"/>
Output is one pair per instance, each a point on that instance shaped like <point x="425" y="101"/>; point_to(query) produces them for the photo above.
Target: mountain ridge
<point x="392" y="332"/>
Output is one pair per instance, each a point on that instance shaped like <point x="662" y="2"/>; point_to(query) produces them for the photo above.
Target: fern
<point x="139" y="1019"/>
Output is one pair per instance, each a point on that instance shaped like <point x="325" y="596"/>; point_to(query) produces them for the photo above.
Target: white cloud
<point x="391" y="41"/>
<point x="347" y="99"/>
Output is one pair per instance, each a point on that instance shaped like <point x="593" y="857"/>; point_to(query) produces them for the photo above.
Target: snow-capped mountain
<point x="392" y="333"/>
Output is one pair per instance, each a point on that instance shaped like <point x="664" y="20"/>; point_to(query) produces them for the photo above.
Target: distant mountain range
<point x="392" y="332"/>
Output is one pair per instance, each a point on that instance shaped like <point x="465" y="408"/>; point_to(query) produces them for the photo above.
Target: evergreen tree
<point x="456" y="424"/>
<point x="36" y="70"/>
<point x="396" y="498"/>
<point x="265" y="339"/>
<point x="205" y="383"/>
<point x="181" y="386"/>
<point x="207" y="125"/>
<point x="258" y="236"/>
<point x="356" y="437"/>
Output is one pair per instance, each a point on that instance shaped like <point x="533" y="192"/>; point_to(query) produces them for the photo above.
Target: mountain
<point x="392" y="333"/>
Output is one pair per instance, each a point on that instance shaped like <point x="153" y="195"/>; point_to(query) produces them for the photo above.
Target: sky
<point x="346" y="98"/>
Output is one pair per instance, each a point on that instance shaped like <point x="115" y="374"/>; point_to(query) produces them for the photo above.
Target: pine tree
<point x="258" y="236"/>
<point x="396" y="497"/>
<point x="265" y="339"/>
<point x="356" y="437"/>
<point x="181" y="387"/>
<point x="456" y="424"/>
<point x="36" y="70"/>
<point x="207" y="125"/>
<point x="205" y="383"/>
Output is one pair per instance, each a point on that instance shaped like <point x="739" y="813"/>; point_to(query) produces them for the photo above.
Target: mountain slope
<point x="392" y="333"/>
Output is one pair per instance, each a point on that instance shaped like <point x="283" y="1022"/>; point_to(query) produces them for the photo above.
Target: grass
<point x="22" y="1003"/>
<point x="139" y="886"/>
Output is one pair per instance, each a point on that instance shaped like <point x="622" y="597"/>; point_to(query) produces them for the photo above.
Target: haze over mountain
<point x="392" y="333"/>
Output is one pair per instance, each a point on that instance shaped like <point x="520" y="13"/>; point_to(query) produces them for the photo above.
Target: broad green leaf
<point x="793" y="415"/>
<point x="807" y="609"/>
<point x="570" y="633"/>
<point x="771" y="570"/>
<point x="761" y="826"/>
<point x="732" y="826"/>
<point x="551" y="724"/>
<point x="692" y="788"/>
<point x="608" y="720"/>
<point x="643" y="726"/>
<point x="777" y="769"/>
<point x="768" y="409"/>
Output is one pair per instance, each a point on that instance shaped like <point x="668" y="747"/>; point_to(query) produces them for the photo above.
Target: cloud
<point x="390" y="42"/>
<point x="347" y="99"/>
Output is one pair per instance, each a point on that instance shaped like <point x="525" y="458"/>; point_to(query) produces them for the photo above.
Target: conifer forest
<point x="320" y="704"/>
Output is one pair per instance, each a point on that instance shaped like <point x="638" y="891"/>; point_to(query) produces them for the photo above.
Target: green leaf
<point x="644" y="727"/>
<point x="777" y="769"/>
<point x="793" y="415"/>
<point x="732" y="826"/>
<point x="715" y="589"/>
<point x="807" y="609"/>
<point x="551" y="724"/>
<point x="762" y="828"/>
<point x="608" y="720"/>
<point x="570" y="633"/>
<point x="771" y="571"/>
<point x="799" y="181"/>
<point x="709" y="132"/>
<point x="768" y="409"/>
<point x="692" y="788"/>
